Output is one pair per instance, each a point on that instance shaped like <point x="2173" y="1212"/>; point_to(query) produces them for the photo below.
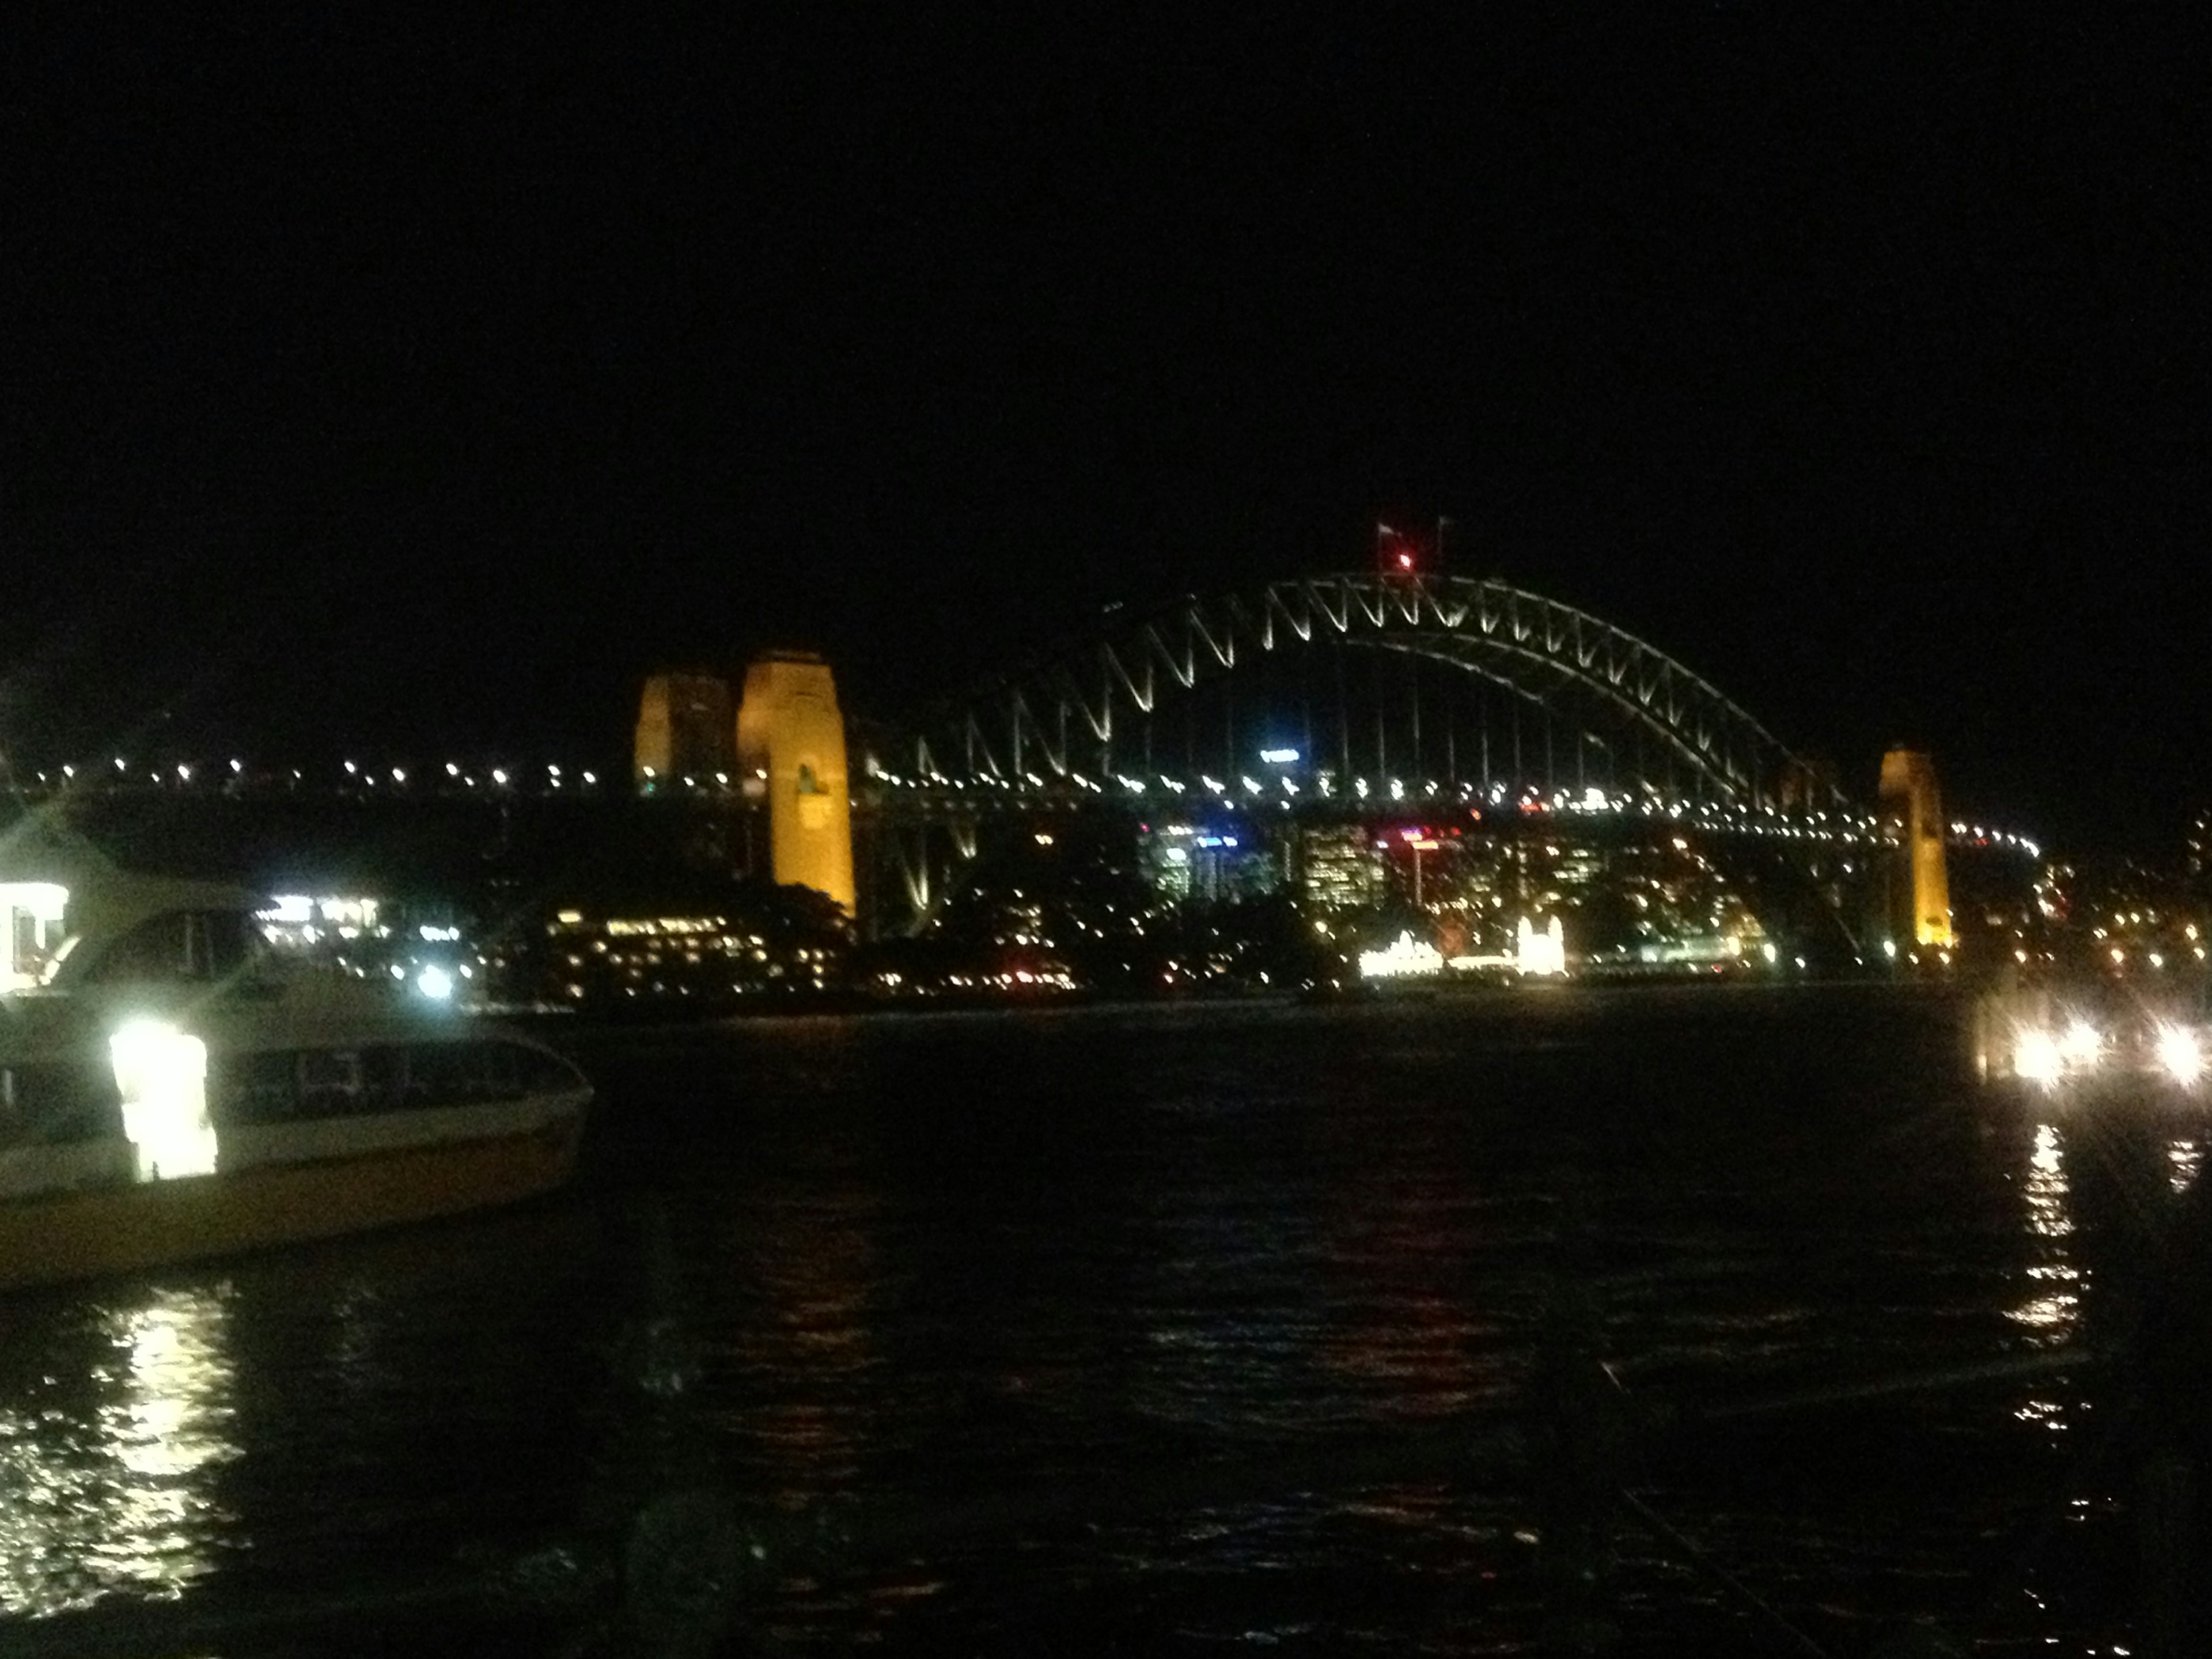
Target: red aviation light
<point x="1397" y="554"/>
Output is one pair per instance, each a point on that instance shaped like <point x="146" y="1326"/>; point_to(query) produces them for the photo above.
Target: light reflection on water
<point x="2053" y="1310"/>
<point x="959" y="1256"/>
<point x="807" y="1420"/>
<point x="106" y="1476"/>
<point x="2184" y="1157"/>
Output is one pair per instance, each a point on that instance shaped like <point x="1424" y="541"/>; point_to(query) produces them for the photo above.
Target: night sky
<point x="414" y="391"/>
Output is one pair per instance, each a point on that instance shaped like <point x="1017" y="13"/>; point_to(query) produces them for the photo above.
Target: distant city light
<point x="1540" y="954"/>
<point x="1404" y="957"/>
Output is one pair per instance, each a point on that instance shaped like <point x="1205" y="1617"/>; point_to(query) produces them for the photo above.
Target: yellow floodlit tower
<point x="683" y="729"/>
<point x="791" y="743"/>
<point x="1909" y="795"/>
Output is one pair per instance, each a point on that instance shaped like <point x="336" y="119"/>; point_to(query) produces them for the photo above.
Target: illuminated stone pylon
<point x="683" y="729"/>
<point x="791" y="747"/>
<point x="1920" y="906"/>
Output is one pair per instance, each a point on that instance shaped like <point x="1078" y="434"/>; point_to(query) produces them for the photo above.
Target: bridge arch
<point x="1496" y="656"/>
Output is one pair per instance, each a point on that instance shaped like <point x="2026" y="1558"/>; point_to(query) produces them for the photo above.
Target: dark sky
<point x="374" y="388"/>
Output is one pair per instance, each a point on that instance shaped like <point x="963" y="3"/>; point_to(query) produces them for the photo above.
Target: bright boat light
<point x="435" y="983"/>
<point x="2180" y="1055"/>
<point x="161" y="1074"/>
<point x="2035" y="1056"/>
<point x="2081" y="1045"/>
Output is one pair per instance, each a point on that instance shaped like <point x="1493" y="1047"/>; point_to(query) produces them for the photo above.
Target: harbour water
<point x="899" y="1263"/>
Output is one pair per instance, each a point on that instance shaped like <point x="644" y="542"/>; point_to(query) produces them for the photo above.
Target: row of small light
<point x="1763" y="820"/>
<point x="1974" y="834"/>
<point x="188" y="772"/>
<point x="1839" y="827"/>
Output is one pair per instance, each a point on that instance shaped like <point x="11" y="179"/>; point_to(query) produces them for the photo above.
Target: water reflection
<point x="106" y="1455"/>
<point x="1228" y="1313"/>
<point x="802" y="1359"/>
<point x="2182" y="1157"/>
<point x="2053" y="1308"/>
<point x="1404" y="1336"/>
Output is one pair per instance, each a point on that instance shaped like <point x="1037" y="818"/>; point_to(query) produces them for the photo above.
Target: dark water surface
<point x="923" y="1258"/>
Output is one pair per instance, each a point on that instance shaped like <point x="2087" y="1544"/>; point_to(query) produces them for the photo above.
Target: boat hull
<point x="57" y="1237"/>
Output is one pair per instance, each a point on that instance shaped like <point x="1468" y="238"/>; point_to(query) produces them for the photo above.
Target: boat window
<point x="253" y="1088"/>
<point x="59" y="1103"/>
<point x="199" y="945"/>
<point x="330" y="1082"/>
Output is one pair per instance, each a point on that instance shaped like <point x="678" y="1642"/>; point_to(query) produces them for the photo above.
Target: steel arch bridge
<point x="1501" y="674"/>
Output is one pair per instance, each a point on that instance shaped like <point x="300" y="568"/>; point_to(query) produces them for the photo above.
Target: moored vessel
<point x="169" y="1092"/>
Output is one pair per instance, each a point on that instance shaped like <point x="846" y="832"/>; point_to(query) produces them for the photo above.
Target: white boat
<point x="169" y="1090"/>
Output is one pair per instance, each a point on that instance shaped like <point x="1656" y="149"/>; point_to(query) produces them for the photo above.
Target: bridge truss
<point x="1348" y="693"/>
<point x="1379" y="677"/>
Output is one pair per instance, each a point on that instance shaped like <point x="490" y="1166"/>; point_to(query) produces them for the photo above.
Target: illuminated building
<point x="1338" y="865"/>
<point x="710" y="959"/>
<point x="683" y="729"/>
<point x="1189" y="861"/>
<point x="791" y="744"/>
<point x="1543" y="954"/>
<point x="1922" y="910"/>
<point x="1168" y="862"/>
<point x="1404" y="957"/>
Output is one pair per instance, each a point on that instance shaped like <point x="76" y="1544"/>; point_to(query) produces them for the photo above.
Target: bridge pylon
<point x="1920" y="903"/>
<point x="791" y="749"/>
